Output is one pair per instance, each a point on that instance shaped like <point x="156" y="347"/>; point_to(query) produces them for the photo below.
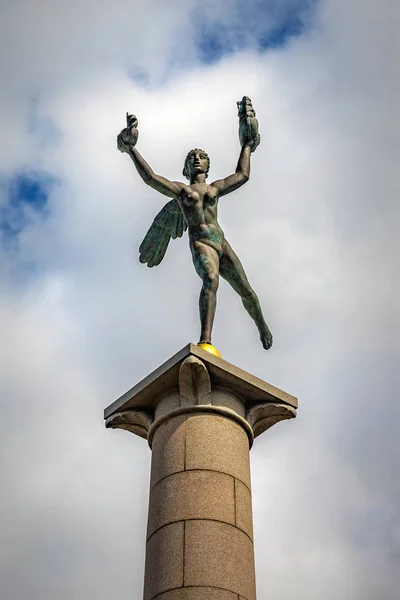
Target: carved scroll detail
<point x="263" y="416"/>
<point x="194" y="382"/>
<point x="135" y="421"/>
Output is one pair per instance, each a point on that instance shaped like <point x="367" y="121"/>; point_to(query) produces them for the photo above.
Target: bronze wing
<point x="169" y="223"/>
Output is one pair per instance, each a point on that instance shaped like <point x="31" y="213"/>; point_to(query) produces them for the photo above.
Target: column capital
<point x="195" y="381"/>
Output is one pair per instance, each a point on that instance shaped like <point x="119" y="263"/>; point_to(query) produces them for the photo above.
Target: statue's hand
<point x="124" y="142"/>
<point x="128" y="136"/>
<point x="248" y="124"/>
<point x="254" y="143"/>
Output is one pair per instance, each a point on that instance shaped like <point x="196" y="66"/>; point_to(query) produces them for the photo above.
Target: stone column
<point x="200" y="415"/>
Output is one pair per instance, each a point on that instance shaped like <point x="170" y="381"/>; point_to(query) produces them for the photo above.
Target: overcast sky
<point x="81" y="320"/>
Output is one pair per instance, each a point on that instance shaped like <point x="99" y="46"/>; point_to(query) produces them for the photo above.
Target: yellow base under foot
<point x="210" y="348"/>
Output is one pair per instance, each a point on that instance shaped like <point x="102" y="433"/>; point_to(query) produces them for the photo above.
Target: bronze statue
<point x="194" y="207"/>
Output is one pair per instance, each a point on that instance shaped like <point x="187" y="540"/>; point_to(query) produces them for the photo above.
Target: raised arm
<point x="157" y="182"/>
<point x="126" y="141"/>
<point x="241" y="175"/>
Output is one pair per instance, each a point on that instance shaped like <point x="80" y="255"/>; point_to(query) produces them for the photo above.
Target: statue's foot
<point x="266" y="338"/>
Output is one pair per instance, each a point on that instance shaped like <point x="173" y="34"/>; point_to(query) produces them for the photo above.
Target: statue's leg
<point x="231" y="269"/>
<point x="206" y="262"/>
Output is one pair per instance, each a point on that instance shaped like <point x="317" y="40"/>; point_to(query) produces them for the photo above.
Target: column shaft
<point x="200" y="536"/>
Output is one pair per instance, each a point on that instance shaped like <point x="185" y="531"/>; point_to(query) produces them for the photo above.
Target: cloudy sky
<point x="81" y="320"/>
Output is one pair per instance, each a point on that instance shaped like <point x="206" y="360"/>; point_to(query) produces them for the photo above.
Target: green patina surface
<point x="194" y="208"/>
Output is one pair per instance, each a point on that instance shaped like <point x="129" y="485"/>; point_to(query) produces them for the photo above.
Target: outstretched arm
<point x="242" y="174"/>
<point x="157" y="182"/>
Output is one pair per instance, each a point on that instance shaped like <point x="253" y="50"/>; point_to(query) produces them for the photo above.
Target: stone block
<point x="220" y="397"/>
<point x="166" y="404"/>
<point x="244" y="516"/>
<point x="199" y="593"/>
<point x="193" y="495"/>
<point x="219" y="555"/>
<point x="217" y="443"/>
<point x="164" y="560"/>
<point x="168" y="449"/>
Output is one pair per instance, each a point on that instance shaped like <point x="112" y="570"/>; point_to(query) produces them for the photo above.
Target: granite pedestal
<point x="200" y="415"/>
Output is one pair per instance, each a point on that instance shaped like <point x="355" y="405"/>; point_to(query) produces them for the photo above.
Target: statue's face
<point x="197" y="162"/>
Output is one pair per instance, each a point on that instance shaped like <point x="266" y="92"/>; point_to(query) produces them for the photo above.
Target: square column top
<point x="252" y="390"/>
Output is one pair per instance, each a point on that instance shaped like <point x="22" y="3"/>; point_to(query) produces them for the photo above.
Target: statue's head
<point x="196" y="161"/>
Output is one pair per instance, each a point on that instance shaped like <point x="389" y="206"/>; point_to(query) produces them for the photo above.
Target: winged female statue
<point x="194" y="207"/>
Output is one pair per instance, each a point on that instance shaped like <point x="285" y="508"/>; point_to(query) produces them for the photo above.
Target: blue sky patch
<point x="257" y="24"/>
<point x="280" y="35"/>
<point x="26" y="196"/>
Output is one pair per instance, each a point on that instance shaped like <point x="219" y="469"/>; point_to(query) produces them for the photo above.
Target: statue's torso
<point x="199" y="204"/>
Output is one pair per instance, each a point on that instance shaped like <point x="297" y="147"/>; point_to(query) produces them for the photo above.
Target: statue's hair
<point x="185" y="171"/>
